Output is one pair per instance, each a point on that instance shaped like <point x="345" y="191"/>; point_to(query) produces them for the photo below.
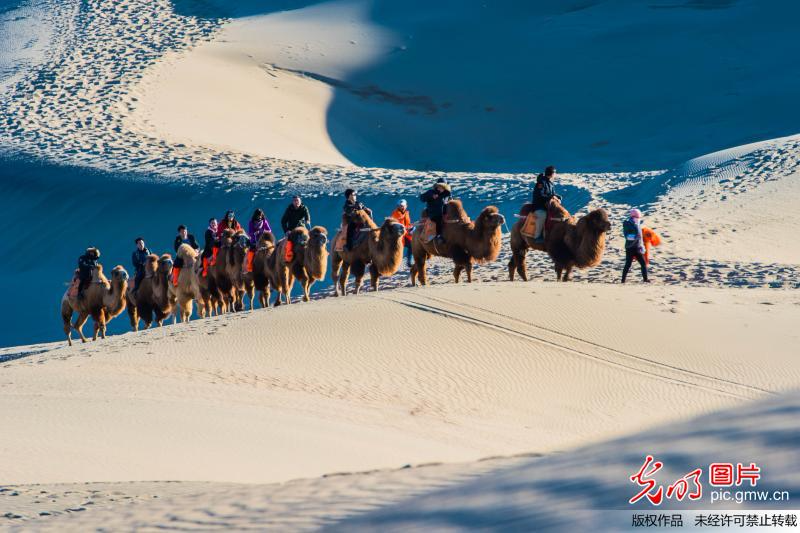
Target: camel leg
<point x="512" y="267"/>
<point x="133" y="317"/>
<point x="358" y="273"/>
<point x="336" y="265"/>
<point x="457" y="272"/>
<point x="468" y="268"/>
<point x="421" y="269"/>
<point x="567" y="273"/>
<point x="78" y="325"/>
<point x="306" y="289"/>
<point x="374" y="277"/>
<point x="66" y="318"/>
<point x="559" y="269"/>
<point x="343" y="275"/>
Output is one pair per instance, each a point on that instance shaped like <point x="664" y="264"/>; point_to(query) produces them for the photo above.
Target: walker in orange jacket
<point x="405" y="219"/>
<point x="650" y="238"/>
<point x="175" y="272"/>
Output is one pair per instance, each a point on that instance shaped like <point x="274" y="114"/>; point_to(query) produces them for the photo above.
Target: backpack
<point x="629" y="228"/>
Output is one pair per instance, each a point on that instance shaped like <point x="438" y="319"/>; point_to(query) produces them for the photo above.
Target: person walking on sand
<point x="139" y="258"/>
<point x="183" y="237"/>
<point x="436" y="200"/>
<point x="210" y="245"/>
<point x="543" y="192"/>
<point x="634" y="244"/>
<point x="295" y="216"/>
<point x="401" y="215"/>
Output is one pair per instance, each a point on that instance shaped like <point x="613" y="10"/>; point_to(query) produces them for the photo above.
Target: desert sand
<point x="494" y="404"/>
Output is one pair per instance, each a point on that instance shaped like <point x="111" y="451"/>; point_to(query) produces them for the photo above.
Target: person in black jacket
<point x="543" y="192"/>
<point x="183" y="237"/>
<point x="86" y="264"/>
<point x="351" y="205"/>
<point x="435" y="201"/>
<point x="210" y="245"/>
<point x="139" y="258"/>
<point x="295" y="216"/>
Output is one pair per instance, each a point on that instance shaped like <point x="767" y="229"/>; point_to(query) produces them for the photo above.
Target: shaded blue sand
<point x="509" y="86"/>
<point x="53" y="213"/>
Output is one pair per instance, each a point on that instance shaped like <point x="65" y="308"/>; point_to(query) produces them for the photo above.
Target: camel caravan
<point x="237" y="267"/>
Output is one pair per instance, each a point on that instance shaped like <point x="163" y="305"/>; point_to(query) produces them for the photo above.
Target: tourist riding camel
<point x="435" y="201"/>
<point x="210" y="245"/>
<point x="465" y="242"/>
<point x="86" y="264"/>
<point x="228" y="222"/>
<point x="543" y="192"/>
<point x="569" y="242"/>
<point x="139" y="258"/>
<point x="186" y="289"/>
<point x="296" y="215"/>
<point x="153" y="301"/>
<point x="380" y="248"/>
<point x="102" y="300"/>
<point x="351" y="205"/>
<point x="311" y="259"/>
<point x="183" y="237"/>
<point x="264" y="267"/>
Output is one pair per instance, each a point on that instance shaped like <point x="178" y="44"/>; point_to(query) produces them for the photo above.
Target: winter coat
<point x="190" y="240"/>
<point x="632" y="230"/>
<point x="222" y="226"/>
<point x="211" y="241"/>
<point x="256" y="228"/>
<point x="351" y="207"/>
<point x="85" y="265"/>
<point x="139" y="259"/>
<point x="435" y="206"/>
<point x="405" y="219"/>
<point x="543" y="192"/>
<point x="295" y="217"/>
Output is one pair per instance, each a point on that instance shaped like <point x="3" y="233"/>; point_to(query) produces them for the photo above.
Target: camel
<point x="153" y="298"/>
<point x="311" y="260"/>
<point x="569" y="242"/>
<point x="263" y="266"/>
<point x="224" y="271"/>
<point x="236" y="268"/>
<point x="382" y="250"/>
<point x="283" y="270"/>
<point x="101" y="300"/>
<point x="465" y="242"/>
<point x="187" y="289"/>
<point x="204" y="289"/>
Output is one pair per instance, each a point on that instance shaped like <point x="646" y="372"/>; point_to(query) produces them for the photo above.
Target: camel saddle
<point x="529" y="226"/>
<point x="72" y="290"/>
<point x="340" y="240"/>
<point x="428" y="230"/>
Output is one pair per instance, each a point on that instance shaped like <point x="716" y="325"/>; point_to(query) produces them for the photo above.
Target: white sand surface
<point x="402" y="377"/>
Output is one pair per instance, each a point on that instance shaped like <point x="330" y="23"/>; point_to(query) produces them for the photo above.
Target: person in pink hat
<point x="634" y="244"/>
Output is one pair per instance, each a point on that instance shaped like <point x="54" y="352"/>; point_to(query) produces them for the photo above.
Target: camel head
<point x="298" y="236"/>
<point x="227" y="238"/>
<point x="119" y="274"/>
<point x="392" y="228"/>
<point x="490" y="218"/>
<point x="318" y="237"/>
<point x="165" y="264"/>
<point x="151" y="264"/>
<point x="239" y="245"/>
<point x="266" y="237"/>
<point x="597" y="220"/>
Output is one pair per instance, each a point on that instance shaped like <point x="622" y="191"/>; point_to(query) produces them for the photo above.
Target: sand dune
<point x="403" y="377"/>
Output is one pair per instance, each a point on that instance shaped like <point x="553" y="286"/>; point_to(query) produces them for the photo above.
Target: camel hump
<point x="455" y="211"/>
<point x="185" y="251"/>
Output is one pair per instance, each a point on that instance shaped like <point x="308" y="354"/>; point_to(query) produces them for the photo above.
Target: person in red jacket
<point x="401" y="215"/>
<point x="229" y="221"/>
